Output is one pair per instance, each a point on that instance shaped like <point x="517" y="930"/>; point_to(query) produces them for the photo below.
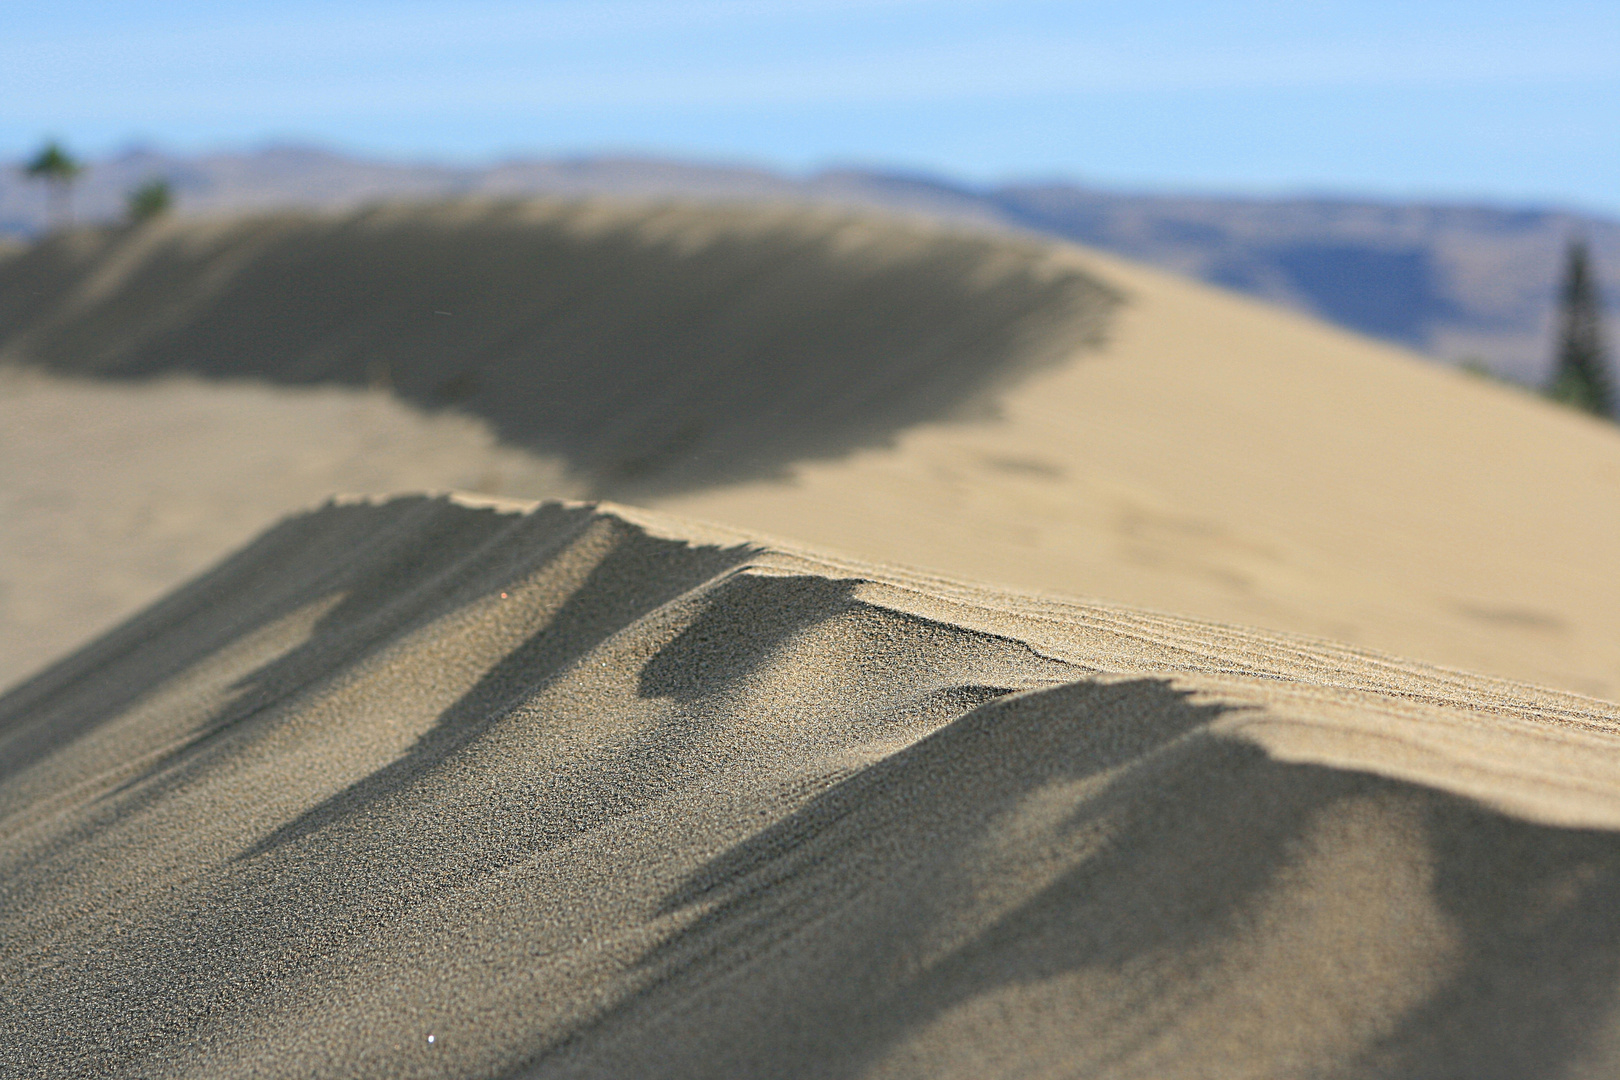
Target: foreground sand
<point x="427" y="788"/>
<point x="996" y="408"/>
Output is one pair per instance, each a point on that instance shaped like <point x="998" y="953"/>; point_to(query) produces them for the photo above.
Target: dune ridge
<point x="994" y="408"/>
<point x="578" y="790"/>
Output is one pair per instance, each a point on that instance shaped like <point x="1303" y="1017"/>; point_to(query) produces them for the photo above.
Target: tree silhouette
<point x="1581" y="372"/>
<point x="58" y="169"/>
<point x="152" y="199"/>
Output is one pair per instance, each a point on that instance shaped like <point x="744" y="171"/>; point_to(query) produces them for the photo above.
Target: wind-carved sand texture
<point x="994" y="408"/>
<point x="423" y="787"/>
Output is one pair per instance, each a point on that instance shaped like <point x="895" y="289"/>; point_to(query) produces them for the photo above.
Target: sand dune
<point x="592" y="792"/>
<point x="651" y="347"/>
<point x="585" y="347"/>
<point x="1222" y="459"/>
<point x="996" y="408"/>
<point x="450" y="786"/>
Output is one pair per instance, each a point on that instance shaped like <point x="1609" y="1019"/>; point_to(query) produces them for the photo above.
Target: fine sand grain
<point x="427" y="788"/>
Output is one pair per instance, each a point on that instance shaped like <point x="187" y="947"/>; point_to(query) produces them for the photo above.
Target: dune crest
<point x="583" y="791"/>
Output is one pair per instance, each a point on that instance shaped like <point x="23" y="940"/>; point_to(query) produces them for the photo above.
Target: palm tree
<point x="58" y="169"/>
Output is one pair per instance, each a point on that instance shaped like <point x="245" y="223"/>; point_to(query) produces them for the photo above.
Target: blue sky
<point x="1499" y="101"/>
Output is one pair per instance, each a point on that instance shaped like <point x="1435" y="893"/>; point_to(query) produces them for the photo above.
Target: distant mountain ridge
<point x="1452" y="280"/>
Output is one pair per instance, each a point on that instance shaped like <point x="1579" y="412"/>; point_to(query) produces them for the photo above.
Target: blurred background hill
<point x="1462" y="283"/>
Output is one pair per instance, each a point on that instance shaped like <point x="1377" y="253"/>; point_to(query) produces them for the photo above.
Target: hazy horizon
<point x="1167" y="189"/>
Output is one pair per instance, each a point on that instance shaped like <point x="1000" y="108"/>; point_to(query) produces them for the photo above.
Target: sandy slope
<point x="898" y="391"/>
<point x="599" y="793"/>
<point x="1227" y="460"/>
<point x="112" y="493"/>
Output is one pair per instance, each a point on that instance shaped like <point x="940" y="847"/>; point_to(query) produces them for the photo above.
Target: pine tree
<point x="1581" y="372"/>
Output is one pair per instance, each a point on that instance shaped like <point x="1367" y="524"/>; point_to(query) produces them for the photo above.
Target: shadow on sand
<point x="651" y="348"/>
